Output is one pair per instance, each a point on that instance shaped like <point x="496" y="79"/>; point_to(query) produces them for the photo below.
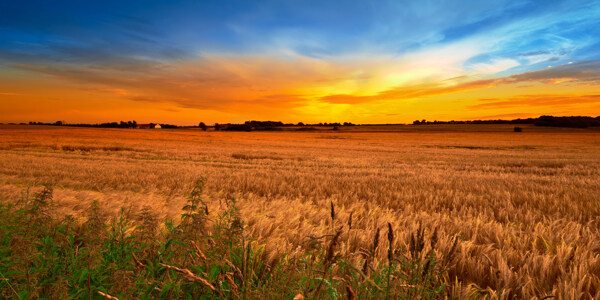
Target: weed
<point x="200" y="258"/>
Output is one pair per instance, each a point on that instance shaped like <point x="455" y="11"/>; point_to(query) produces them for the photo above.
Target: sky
<point x="184" y="62"/>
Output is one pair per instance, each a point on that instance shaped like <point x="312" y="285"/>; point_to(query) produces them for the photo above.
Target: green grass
<point x="205" y="255"/>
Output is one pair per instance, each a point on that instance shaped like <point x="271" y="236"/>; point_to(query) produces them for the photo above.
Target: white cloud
<point x="494" y="66"/>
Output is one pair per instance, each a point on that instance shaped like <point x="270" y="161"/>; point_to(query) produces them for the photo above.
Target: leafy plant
<point x="43" y="256"/>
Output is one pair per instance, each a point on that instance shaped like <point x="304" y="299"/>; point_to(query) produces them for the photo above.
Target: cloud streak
<point x="210" y="83"/>
<point x="587" y="72"/>
<point x="537" y="101"/>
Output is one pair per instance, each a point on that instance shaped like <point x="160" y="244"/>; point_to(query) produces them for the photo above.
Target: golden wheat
<point x="517" y="212"/>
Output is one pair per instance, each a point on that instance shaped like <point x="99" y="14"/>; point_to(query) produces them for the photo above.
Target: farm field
<point x="524" y="207"/>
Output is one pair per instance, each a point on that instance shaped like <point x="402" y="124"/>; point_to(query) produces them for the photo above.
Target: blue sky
<point x="182" y="29"/>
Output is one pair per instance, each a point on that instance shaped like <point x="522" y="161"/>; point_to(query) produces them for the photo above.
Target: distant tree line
<point x="331" y="124"/>
<point x="247" y="126"/>
<point x="121" y="124"/>
<point x="272" y="126"/>
<point x="573" y="121"/>
<point x="167" y="126"/>
<point x="57" y="123"/>
<point x="577" y="121"/>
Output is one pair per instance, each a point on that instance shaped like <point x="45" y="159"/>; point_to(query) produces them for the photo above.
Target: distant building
<point x="148" y="126"/>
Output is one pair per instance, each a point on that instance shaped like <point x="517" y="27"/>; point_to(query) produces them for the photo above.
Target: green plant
<point x="43" y="256"/>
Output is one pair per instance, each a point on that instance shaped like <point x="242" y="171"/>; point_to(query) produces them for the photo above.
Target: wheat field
<point x="524" y="206"/>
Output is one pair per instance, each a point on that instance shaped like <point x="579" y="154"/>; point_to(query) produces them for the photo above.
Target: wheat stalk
<point x="107" y="296"/>
<point x="187" y="274"/>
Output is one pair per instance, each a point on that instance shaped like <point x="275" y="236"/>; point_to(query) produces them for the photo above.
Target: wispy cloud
<point x="580" y="73"/>
<point x="505" y="116"/>
<point x="409" y="92"/>
<point x="537" y="100"/>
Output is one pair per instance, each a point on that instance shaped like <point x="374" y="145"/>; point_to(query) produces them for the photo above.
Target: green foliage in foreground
<point x="205" y="256"/>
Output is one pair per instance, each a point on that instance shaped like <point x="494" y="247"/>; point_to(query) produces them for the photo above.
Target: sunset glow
<point x="363" y="62"/>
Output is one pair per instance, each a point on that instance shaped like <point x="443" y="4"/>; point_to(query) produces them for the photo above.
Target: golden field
<point x="525" y="206"/>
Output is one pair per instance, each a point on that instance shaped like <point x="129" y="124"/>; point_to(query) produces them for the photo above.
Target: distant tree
<point x="202" y="126"/>
<point x="416" y="122"/>
<point x="58" y="123"/>
<point x="264" y="124"/>
<point x="300" y="124"/>
<point x="217" y="127"/>
<point x="237" y="127"/>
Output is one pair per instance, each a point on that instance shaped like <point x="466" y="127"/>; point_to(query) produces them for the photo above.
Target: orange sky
<point x="235" y="89"/>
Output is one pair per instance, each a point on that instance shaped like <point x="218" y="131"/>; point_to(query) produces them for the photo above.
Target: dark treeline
<point x="552" y="121"/>
<point x="247" y="126"/>
<point x="274" y="126"/>
<point x="578" y="122"/>
<point x="572" y="121"/>
<point x="121" y="124"/>
<point x="255" y="125"/>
